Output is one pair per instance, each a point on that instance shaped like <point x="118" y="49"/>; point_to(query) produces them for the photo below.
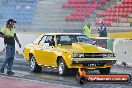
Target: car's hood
<point x="83" y="48"/>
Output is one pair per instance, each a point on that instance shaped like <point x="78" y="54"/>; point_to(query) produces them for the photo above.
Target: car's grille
<point x="86" y="64"/>
<point x="93" y="55"/>
<point x="95" y="62"/>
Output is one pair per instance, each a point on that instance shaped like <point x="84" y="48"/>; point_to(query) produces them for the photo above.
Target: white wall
<point x="24" y="39"/>
<point x="1" y="44"/>
<point x="123" y="51"/>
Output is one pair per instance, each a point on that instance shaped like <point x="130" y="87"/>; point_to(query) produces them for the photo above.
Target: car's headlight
<point x="105" y="55"/>
<point x="78" y="55"/>
<point x="108" y="55"/>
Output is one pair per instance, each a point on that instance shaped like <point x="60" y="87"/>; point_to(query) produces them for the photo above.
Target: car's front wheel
<point x="62" y="67"/>
<point x="104" y="70"/>
<point x="34" y="67"/>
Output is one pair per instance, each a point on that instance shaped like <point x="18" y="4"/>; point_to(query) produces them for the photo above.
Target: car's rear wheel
<point x="62" y="67"/>
<point x="104" y="70"/>
<point x="34" y="67"/>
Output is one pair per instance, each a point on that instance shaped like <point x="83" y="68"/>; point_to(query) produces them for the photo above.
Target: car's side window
<point x="46" y="40"/>
<point x="43" y="40"/>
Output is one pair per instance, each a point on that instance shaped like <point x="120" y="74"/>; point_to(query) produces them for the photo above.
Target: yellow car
<point x="68" y="52"/>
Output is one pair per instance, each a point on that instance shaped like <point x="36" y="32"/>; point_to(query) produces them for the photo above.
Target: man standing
<point x="102" y="29"/>
<point x="9" y="35"/>
<point x="87" y="30"/>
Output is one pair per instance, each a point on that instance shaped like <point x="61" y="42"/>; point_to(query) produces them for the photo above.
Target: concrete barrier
<point x="123" y="50"/>
<point x="120" y="24"/>
<point x="120" y="28"/>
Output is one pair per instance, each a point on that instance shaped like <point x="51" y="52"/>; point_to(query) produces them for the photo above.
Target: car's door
<point x="50" y="51"/>
<point x="40" y="51"/>
<point x="45" y="54"/>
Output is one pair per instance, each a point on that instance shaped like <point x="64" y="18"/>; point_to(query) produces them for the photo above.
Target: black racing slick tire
<point x="34" y="67"/>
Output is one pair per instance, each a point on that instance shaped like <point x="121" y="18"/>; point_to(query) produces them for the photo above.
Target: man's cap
<point x="11" y="20"/>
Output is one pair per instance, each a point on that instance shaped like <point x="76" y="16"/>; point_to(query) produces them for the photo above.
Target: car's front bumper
<point x="92" y="64"/>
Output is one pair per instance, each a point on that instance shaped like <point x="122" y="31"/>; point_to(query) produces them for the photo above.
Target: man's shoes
<point x="10" y="73"/>
<point x="2" y="70"/>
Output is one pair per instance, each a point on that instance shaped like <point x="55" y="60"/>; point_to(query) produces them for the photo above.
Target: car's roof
<point x="62" y="34"/>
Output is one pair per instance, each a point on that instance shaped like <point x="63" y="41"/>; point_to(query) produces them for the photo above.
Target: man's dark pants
<point x="10" y="52"/>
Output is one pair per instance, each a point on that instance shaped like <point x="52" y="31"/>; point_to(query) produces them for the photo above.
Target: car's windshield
<point x="69" y="39"/>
